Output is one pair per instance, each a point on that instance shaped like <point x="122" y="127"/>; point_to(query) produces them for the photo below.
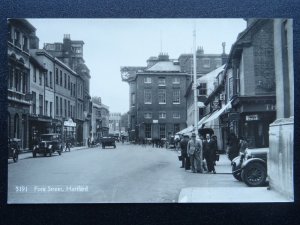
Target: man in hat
<point x="194" y="150"/>
<point x="184" y="156"/>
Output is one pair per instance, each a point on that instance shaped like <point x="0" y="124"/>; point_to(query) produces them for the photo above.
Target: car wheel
<point x="254" y="174"/>
<point x="236" y="175"/>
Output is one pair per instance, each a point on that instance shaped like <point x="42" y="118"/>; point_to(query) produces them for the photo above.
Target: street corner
<point x="230" y="195"/>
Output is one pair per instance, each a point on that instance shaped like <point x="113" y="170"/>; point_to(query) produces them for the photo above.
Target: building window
<point x="40" y="78"/>
<point x="33" y="102"/>
<point x="56" y="106"/>
<point x="176" y="115"/>
<point x="17" y="39"/>
<point x="71" y="89"/>
<point x="162" y="131"/>
<point x="56" y="76"/>
<point x="65" y="81"/>
<point x="61" y="78"/>
<point x="206" y="63"/>
<point x="147" y="80"/>
<point x="162" y="96"/>
<point x="176" y="128"/>
<point x="34" y="74"/>
<point x="41" y="104"/>
<point x="65" y="108"/>
<point x="147" y="97"/>
<point x="50" y="109"/>
<point x="148" y="115"/>
<point x="61" y="107"/>
<point x="69" y="109"/>
<point x="148" y="130"/>
<point x="50" y="79"/>
<point x="162" y="115"/>
<point x="133" y="99"/>
<point x="202" y="89"/>
<point x="69" y="84"/>
<point x="161" y="81"/>
<point x="46" y="108"/>
<point x="176" y="80"/>
<point x="176" y="96"/>
<point x="25" y="41"/>
<point x="46" y="80"/>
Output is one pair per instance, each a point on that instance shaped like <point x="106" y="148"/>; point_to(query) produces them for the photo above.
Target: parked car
<point x="108" y="141"/>
<point x="13" y="149"/>
<point x="251" y="167"/>
<point x="49" y="143"/>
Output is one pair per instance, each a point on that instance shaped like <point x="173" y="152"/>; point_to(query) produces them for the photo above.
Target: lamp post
<point x="195" y="82"/>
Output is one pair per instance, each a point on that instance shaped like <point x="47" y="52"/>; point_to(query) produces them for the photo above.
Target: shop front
<point x="69" y="131"/>
<point x="255" y="116"/>
<point x="38" y="125"/>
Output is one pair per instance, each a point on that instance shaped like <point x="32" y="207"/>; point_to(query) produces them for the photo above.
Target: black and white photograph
<point x="150" y="110"/>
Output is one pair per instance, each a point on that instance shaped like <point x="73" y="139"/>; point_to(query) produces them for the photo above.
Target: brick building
<point x="248" y="84"/>
<point x="158" y="106"/>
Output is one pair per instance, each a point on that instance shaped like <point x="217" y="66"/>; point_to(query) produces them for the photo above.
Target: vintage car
<point x="251" y="167"/>
<point x="13" y="149"/>
<point x="108" y="141"/>
<point x="49" y="143"/>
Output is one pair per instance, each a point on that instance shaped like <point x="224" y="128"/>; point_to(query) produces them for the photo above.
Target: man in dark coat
<point x="233" y="148"/>
<point x="210" y="149"/>
<point x="184" y="155"/>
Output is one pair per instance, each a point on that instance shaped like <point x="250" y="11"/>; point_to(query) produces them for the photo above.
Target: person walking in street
<point x="210" y="149"/>
<point x="233" y="149"/>
<point x="184" y="156"/>
<point x="194" y="150"/>
<point x="242" y="144"/>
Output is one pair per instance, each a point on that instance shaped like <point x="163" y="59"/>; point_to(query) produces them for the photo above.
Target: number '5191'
<point x="21" y="189"/>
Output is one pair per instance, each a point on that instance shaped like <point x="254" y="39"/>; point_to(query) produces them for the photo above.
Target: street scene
<point x="150" y="110"/>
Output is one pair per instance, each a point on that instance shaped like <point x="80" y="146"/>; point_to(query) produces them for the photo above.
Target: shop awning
<point x="216" y="114"/>
<point x="186" y="130"/>
<point x="203" y="120"/>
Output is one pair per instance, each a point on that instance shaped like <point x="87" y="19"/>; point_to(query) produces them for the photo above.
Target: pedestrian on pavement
<point x="233" y="148"/>
<point x="210" y="149"/>
<point x="242" y="144"/>
<point x="194" y="150"/>
<point x="183" y="146"/>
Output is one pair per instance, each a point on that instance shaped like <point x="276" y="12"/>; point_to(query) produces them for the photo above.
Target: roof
<point x="164" y="66"/>
<point x="209" y="77"/>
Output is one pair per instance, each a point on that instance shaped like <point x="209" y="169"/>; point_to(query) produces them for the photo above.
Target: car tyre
<point x="254" y="174"/>
<point x="237" y="176"/>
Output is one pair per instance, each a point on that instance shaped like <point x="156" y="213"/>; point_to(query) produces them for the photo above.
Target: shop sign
<point x="69" y="123"/>
<point x="252" y="117"/>
<point x="155" y="121"/>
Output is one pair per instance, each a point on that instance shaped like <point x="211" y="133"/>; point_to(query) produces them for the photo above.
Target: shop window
<point x="162" y="131"/>
<point x="148" y="131"/>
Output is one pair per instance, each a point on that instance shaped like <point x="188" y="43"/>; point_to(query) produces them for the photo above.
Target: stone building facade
<point x="70" y="52"/>
<point x="21" y="36"/>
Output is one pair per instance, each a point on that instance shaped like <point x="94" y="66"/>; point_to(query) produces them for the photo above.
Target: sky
<point x="112" y="43"/>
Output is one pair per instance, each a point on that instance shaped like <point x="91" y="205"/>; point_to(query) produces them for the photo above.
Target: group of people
<point x="199" y="156"/>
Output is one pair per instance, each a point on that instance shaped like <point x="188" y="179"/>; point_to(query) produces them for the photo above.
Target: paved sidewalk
<point x="28" y="153"/>
<point x="229" y="195"/>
